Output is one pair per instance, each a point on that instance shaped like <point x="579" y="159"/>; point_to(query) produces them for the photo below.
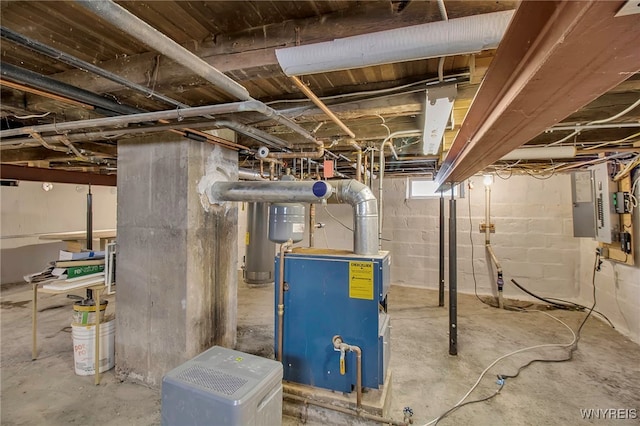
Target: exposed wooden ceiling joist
<point x="555" y="58"/>
<point x="8" y="171"/>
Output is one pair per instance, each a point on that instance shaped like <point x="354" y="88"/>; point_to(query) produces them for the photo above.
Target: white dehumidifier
<point x="223" y="387"/>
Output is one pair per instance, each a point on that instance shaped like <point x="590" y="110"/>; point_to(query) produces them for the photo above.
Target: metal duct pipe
<point x="443" y="38"/>
<point x="145" y="33"/>
<point x="136" y="27"/>
<point x="42" y="82"/>
<point x="252" y="132"/>
<point x="365" y="210"/>
<point x="273" y="192"/>
<point x="248" y="174"/>
<point x="114" y="122"/>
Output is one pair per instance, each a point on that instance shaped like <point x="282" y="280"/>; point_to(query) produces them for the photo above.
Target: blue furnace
<point x="329" y="293"/>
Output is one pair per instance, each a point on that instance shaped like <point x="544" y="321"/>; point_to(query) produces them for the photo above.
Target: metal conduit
<point x="136" y="27"/>
<point x="145" y="33"/>
<point x="40" y="81"/>
<point x="120" y="121"/>
<point x="61" y="56"/>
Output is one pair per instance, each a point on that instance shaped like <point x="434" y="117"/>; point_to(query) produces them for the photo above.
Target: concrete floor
<point x="604" y="373"/>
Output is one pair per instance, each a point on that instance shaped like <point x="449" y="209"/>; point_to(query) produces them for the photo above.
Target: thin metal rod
<point x="312" y="96"/>
<point x="453" y="278"/>
<point x="441" y="248"/>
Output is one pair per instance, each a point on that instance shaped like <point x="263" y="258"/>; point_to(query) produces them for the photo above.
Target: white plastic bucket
<point x="84" y="346"/>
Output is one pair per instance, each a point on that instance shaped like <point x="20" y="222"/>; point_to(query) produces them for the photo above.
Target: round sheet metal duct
<point x="443" y="38"/>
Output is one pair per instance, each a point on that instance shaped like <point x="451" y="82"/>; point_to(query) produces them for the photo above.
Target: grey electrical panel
<point x="584" y="218"/>
<point x="223" y="387"/>
<point x="607" y="220"/>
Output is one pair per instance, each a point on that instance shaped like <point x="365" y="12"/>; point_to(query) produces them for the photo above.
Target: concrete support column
<point x="177" y="256"/>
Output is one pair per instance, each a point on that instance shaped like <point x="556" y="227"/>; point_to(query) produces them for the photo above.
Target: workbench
<point x="76" y="241"/>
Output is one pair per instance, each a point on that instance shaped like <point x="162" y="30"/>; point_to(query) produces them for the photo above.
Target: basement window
<point x="421" y="188"/>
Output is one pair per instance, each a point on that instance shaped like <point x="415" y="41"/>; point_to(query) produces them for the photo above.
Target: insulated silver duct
<point x="270" y="192"/>
<point x="358" y="195"/>
<point x="248" y="174"/>
<point x="365" y="214"/>
<point x="458" y="36"/>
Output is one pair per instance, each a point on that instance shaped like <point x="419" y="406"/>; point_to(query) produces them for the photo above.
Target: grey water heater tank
<point x="258" y="261"/>
<point x="286" y="221"/>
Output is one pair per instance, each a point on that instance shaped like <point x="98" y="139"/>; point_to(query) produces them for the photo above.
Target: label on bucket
<point x="84" y="347"/>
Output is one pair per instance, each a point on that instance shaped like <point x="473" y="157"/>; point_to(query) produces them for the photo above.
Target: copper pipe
<point x="304" y="89"/>
<point x="340" y="345"/>
<point x="283" y="247"/>
<point x="319" y="153"/>
<point x="44" y="94"/>
<point x="344" y="410"/>
<point x="312" y="224"/>
<point x="358" y="352"/>
<point x="358" y="160"/>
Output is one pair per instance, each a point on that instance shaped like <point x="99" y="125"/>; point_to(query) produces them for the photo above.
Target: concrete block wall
<point x="617" y="285"/>
<point x="533" y="241"/>
<point x="533" y="238"/>
<point x="27" y="211"/>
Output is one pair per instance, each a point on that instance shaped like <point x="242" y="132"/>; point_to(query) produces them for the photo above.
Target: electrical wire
<point x="586" y="126"/>
<point x="25" y="117"/>
<point x="573" y="307"/>
<point x="473" y="266"/>
<point x="572" y="346"/>
<point x="335" y="218"/>
<point x="379" y="91"/>
<point x="451" y="410"/>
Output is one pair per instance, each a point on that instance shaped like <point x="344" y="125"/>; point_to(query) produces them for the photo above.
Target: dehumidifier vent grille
<point x="214" y="380"/>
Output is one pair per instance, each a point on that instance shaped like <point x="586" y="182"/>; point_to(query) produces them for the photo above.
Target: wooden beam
<point x="8" y="171"/>
<point x="555" y="58"/>
<point x="250" y="54"/>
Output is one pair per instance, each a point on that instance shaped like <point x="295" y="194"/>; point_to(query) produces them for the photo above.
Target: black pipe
<point x="441" y="268"/>
<point x="89" y="232"/>
<point x="89" y="220"/>
<point x="39" y="81"/>
<point x="61" y="56"/>
<point x="453" y="278"/>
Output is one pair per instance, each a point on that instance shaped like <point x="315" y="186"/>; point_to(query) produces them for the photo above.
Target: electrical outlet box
<point x="625" y="242"/>
<point x="622" y="202"/>
<point x="607" y="219"/>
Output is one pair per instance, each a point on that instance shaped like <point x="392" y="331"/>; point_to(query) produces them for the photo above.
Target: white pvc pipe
<point x="443" y="38"/>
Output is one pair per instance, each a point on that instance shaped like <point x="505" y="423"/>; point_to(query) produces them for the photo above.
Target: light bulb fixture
<point x="47" y="186"/>
<point x="437" y="110"/>
<point x="487" y="180"/>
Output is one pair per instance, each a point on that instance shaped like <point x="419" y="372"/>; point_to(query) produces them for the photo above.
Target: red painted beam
<point x="9" y="171"/>
<point x="555" y="58"/>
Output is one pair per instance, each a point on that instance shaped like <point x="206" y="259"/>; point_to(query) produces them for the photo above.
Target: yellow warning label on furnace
<point x="361" y="280"/>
